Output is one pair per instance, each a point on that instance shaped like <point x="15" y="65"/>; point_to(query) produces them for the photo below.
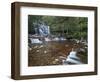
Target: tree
<point x="67" y="26"/>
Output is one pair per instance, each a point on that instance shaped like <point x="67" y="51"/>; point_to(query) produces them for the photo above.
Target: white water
<point x="72" y="58"/>
<point x="35" y="40"/>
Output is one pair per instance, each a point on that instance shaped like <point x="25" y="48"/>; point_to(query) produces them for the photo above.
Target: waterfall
<point x="42" y="30"/>
<point x="72" y="58"/>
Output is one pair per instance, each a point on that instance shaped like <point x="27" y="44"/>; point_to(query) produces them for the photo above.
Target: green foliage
<point x="72" y="26"/>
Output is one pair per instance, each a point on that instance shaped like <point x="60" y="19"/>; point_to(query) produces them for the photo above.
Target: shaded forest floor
<point x="48" y="53"/>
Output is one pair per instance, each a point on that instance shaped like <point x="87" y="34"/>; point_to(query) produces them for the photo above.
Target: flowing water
<point x="49" y="53"/>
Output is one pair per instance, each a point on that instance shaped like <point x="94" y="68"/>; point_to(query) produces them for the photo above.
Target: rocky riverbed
<point x="53" y="52"/>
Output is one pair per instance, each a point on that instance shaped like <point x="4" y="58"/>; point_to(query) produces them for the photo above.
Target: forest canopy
<point x="75" y="27"/>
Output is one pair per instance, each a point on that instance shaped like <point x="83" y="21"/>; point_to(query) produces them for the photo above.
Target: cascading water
<point x="41" y="30"/>
<point x="72" y="58"/>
